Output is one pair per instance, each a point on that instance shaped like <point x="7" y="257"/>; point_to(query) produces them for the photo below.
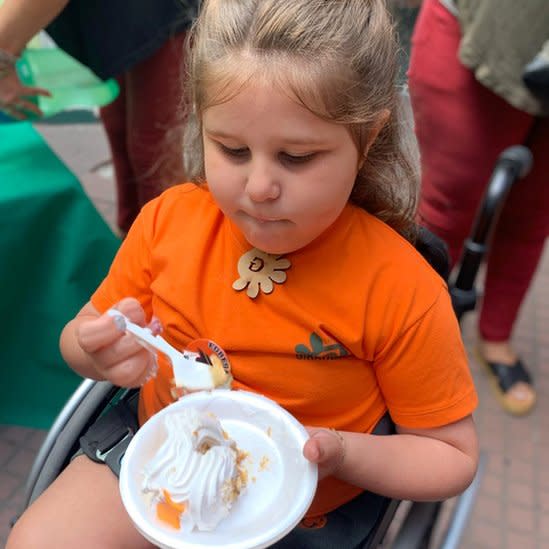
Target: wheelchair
<point x="93" y="398"/>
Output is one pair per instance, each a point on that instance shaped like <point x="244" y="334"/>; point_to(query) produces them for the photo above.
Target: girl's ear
<point x="381" y="119"/>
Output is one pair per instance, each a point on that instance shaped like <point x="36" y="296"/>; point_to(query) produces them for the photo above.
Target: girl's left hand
<point x="326" y="448"/>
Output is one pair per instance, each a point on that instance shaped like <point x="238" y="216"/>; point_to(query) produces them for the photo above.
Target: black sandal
<point x="503" y="377"/>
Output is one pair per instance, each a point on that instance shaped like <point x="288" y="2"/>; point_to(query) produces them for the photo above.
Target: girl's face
<point x="279" y="172"/>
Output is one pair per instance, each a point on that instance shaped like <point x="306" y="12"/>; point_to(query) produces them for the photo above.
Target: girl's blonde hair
<point x="337" y="57"/>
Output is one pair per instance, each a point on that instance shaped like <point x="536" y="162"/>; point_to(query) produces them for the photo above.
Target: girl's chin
<point x="273" y="247"/>
<point x="268" y="245"/>
<point x="268" y="249"/>
<point x="274" y="238"/>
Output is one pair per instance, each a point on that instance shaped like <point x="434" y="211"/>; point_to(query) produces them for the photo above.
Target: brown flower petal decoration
<point x="258" y="270"/>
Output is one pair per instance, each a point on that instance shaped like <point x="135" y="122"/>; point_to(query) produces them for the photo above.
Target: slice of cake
<point x="197" y="473"/>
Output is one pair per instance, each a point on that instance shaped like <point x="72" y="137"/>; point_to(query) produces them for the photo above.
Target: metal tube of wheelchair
<point x="61" y="420"/>
<point x="463" y="509"/>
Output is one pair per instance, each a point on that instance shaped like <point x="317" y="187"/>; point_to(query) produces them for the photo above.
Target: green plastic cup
<point x="72" y="85"/>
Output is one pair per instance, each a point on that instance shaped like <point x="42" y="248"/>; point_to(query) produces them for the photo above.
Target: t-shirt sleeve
<point x="130" y="272"/>
<point x="424" y="373"/>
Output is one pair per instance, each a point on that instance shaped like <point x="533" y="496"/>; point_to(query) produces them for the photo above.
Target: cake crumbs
<point x="264" y="463"/>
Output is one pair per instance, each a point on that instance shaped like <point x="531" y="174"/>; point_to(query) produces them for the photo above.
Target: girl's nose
<point x="262" y="183"/>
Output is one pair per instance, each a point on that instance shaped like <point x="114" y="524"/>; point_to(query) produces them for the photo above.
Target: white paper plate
<point x="281" y="482"/>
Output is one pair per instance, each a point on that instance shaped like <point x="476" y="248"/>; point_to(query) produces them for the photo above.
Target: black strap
<point x="107" y="439"/>
<point x="113" y="458"/>
<point x="434" y="250"/>
<point x="508" y="375"/>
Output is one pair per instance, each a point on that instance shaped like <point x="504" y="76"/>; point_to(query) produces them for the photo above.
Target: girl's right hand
<point x="116" y="356"/>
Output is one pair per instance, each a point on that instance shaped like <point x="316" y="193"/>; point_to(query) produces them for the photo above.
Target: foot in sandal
<point x="508" y="375"/>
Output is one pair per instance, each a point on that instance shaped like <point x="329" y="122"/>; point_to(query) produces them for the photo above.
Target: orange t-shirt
<point x="362" y="324"/>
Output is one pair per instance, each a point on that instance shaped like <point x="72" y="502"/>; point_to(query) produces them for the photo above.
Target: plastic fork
<point x="188" y="372"/>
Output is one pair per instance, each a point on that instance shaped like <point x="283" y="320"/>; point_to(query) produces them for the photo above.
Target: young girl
<point x="288" y="255"/>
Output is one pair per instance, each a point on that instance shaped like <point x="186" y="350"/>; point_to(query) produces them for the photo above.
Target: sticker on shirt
<point x="207" y="351"/>
<point x="320" y="350"/>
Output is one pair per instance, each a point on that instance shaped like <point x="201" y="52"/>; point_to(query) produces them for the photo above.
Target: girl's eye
<point x="296" y="159"/>
<point x="234" y="153"/>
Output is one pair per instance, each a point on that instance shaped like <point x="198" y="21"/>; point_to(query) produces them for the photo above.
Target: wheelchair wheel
<point x="83" y="408"/>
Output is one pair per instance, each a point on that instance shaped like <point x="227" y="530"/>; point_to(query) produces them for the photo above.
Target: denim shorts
<point x="347" y="527"/>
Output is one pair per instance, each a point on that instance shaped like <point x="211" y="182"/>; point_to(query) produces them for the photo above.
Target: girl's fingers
<point x="326" y="448"/>
<point x="125" y="374"/>
<point x="98" y="333"/>
<point x="130" y="307"/>
<point x="132" y="372"/>
<point x="117" y="355"/>
<point x="312" y="450"/>
<point x="119" y="350"/>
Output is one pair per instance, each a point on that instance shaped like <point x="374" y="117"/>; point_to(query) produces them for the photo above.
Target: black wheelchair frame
<point x="416" y="528"/>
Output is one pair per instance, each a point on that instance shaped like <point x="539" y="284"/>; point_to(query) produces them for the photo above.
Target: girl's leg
<point x="83" y="509"/>
<point x="155" y="120"/>
<point x="462" y="127"/>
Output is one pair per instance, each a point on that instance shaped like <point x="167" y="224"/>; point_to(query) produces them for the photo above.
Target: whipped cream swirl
<point x="197" y="465"/>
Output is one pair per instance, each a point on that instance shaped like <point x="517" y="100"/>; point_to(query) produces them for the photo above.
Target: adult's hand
<point x="20" y="20"/>
<point x="16" y="98"/>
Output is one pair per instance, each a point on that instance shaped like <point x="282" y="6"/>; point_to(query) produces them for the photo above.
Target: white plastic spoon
<point x="188" y="372"/>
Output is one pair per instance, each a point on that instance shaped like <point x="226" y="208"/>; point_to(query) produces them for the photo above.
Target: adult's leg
<point x="82" y="508"/>
<point x="515" y="251"/>
<point x="155" y="120"/>
<point x="518" y="242"/>
<point x="115" y="124"/>
<point x="144" y="128"/>
<point x="462" y="127"/>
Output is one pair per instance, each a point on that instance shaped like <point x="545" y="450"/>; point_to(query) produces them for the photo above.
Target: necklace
<point x="258" y="270"/>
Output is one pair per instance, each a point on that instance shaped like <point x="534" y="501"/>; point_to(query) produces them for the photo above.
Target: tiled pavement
<point x="512" y="508"/>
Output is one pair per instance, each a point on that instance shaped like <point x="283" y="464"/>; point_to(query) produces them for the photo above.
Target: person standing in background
<point x="469" y="104"/>
<point x="404" y="13"/>
<point x="141" y="44"/>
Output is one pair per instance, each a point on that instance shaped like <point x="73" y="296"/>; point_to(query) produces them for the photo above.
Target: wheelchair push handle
<point x="513" y="163"/>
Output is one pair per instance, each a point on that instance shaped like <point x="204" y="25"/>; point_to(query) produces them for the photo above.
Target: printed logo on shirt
<point x="314" y="523"/>
<point x="318" y="350"/>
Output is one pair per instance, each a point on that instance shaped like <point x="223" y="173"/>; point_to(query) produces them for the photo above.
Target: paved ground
<point x="512" y="509"/>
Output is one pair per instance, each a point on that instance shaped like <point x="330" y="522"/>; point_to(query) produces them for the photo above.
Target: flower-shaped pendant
<point x="258" y="270"/>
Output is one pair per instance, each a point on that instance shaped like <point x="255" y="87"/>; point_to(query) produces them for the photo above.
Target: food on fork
<point x="218" y="376"/>
<point x="193" y="371"/>
<point x="197" y="473"/>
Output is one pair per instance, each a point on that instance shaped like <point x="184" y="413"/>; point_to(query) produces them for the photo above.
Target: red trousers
<point x="462" y="127"/>
<point x="144" y="129"/>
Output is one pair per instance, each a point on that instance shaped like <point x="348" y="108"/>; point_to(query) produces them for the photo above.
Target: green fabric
<point x="55" y="250"/>
<point x="499" y="37"/>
